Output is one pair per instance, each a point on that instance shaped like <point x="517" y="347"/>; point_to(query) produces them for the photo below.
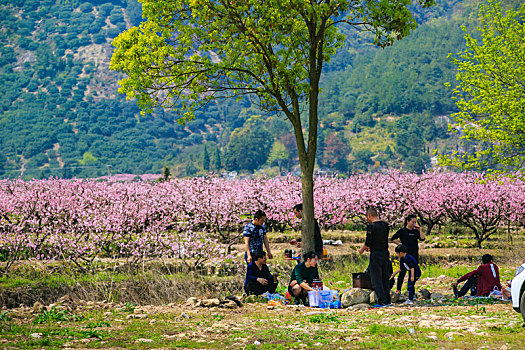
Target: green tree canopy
<point x="248" y="148"/>
<point x="190" y="52"/>
<point x="278" y="155"/>
<point x="490" y="96"/>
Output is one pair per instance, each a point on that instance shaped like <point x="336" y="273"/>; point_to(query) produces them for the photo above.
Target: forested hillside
<point x="61" y="114"/>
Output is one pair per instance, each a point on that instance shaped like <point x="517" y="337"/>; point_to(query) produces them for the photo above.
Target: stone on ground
<point x="425" y="293"/>
<point x="355" y="296"/>
<point x="211" y="302"/>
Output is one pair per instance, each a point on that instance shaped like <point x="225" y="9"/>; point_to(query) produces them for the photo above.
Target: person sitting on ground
<point x="318" y="240"/>
<point x="481" y="281"/>
<point x="408" y="263"/>
<point x="255" y="236"/>
<point x="303" y="276"/>
<point x="409" y="235"/>
<point x="258" y="277"/>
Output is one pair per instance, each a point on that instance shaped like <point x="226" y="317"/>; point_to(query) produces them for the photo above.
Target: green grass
<point x="434" y="270"/>
<point x="324" y="317"/>
<point x="55" y="315"/>
<point x="284" y="330"/>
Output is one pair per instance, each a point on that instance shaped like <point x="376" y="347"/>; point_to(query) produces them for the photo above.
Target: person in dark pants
<point x="258" y="277"/>
<point x="318" y="240"/>
<point x="302" y="277"/>
<point x="481" y="281"/>
<point x="408" y="263"/>
<point x="380" y="266"/>
<point x="409" y="236"/>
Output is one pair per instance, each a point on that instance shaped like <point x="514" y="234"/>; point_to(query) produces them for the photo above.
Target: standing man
<point x="380" y="266"/>
<point x="410" y="235"/>
<point x="255" y="236"/>
<point x="318" y="240"/>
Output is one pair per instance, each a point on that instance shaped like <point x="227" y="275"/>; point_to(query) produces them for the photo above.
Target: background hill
<point x="61" y="115"/>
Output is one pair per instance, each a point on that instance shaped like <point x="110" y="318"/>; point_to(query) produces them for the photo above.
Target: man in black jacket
<point x="318" y="240"/>
<point x="380" y="266"/>
<point x="258" y="277"/>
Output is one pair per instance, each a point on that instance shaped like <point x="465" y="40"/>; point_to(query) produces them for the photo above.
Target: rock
<point x="361" y="306"/>
<point x="144" y="340"/>
<point x="37" y="306"/>
<point x="394" y="297"/>
<point x="211" y="302"/>
<point x="433" y="337"/>
<point x="256" y="343"/>
<point x="373" y="298"/>
<point x="424" y="293"/>
<point x="136" y="316"/>
<point x="192" y="300"/>
<point x="402" y="298"/>
<point x="425" y="323"/>
<point x="437" y="296"/>
<point x="235" y="299"/>
<point x="184" y="315"/>
<point x="36" y="335"/>
<point x="355" y="296"/>
<point x="452" y="334"/>
<point x="229" y="304"/>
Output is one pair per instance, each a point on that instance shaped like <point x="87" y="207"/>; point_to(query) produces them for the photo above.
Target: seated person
<point x="481" y="281"/>
<point x="302" y="277"/>
<point x="258" y="277"/>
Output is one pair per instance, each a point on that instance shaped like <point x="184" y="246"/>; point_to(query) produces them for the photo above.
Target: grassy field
<point x="111" y="308"/>
<point x="257" y="326"/>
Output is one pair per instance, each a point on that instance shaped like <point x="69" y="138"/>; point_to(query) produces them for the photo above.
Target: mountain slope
<point x="61" y="115"/>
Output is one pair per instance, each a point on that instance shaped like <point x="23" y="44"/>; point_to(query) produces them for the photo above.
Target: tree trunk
<point x="430" y="226"/>
<point x="307" y="225"/>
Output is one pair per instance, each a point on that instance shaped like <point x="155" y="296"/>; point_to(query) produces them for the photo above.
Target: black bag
<point x="361" y="280"/>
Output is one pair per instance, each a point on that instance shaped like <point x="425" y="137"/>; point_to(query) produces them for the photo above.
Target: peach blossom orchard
<point x="76" y="221"/>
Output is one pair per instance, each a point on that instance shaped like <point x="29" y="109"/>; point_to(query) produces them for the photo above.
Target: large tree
<point x="189" y="52"/>
<point x="491" y="92"/>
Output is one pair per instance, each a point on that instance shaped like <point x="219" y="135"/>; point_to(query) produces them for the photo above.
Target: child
<point x="408" y="263"/>
<point x="481" y="281"/>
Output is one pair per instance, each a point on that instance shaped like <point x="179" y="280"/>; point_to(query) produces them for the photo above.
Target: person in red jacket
<point x="481" y="281"/>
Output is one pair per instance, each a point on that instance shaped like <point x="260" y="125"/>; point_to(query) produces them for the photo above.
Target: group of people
<point x="258" y="277"/>
<point x="481" y="282"/>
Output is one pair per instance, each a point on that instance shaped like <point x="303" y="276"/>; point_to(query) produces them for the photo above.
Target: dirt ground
<point x="260" y="326"/>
